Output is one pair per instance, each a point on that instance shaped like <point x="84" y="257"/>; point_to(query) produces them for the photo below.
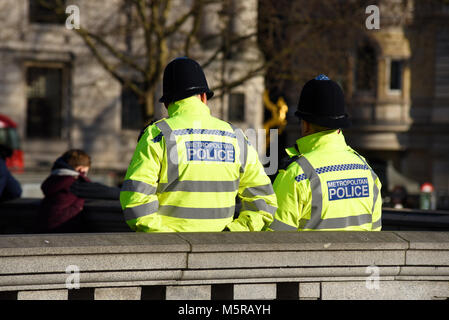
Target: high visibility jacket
<point x="188" y="169"/>
<point x="327" y="186"/>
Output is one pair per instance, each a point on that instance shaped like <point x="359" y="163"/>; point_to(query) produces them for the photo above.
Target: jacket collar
<point x="191" y="105"/>
<point x="65" y="172"/>
<point x="332" y="140"/>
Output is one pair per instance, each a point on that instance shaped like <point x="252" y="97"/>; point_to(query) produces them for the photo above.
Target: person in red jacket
<point x="65" y="191"/>
<point x="60" y="208"/>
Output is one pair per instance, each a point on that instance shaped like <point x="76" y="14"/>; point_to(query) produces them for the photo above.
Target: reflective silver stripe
<point x="377" y="224"/>
<point x="316" y="222"/>
<point x="277" y="225"/>
<point x="172" y="152"/>
<point x="200" y="186"/>
<point x="138" y="186"/>
<point x="196" y="213"/>
<point x="317" y="194"/>
<point x="343" y="222"/>
<point x="243" y="146"/>
<point x="375" y="188"/>
<point x="264" y="190"/>
<point x="141" y="210"/>
<point x="258" y="205"/>
<point x="375" y="191"/>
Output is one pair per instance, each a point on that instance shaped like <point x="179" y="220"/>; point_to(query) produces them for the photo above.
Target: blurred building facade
<point x="61" y="97"/>
<point x="402" y="120"/>
<point x="396" y="82"/>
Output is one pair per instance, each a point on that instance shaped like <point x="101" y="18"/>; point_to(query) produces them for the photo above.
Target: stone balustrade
<point x="225" y="266"/>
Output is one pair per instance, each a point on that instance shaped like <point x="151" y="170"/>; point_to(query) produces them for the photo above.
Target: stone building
<point x="396" y="82"/>
<point x="402" y="122"/>
<point x="61" y="97"/>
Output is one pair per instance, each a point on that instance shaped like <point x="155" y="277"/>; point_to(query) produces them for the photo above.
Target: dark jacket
<point x="60" y="206"/>
<point x="65" y="191"/>
<point x="9" y="187"/>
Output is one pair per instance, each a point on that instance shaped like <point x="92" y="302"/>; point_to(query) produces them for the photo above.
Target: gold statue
<point x="278" y="115"/>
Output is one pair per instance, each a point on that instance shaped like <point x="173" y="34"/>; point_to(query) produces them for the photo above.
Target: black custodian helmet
<point x="322" y="102"/>
<point x="183" y="77"/>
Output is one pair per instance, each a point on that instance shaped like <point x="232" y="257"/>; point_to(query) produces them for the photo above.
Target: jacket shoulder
<point x="153" y="131"/>
<point x="287" y="161"/>
<point x="54" y="184"/>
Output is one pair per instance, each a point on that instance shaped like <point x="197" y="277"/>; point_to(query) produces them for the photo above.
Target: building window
<point x="44" y="102"/>
<point x="366" y="68"/>
<point x="396" y="74"/>
<point x="47" y="11"/>
<point x="132" y="107"/>
<point x="236" y="107"/>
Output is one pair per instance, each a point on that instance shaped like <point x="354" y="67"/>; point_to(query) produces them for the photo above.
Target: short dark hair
<point x="318" y="128"/>
<point x="76" y="157"/>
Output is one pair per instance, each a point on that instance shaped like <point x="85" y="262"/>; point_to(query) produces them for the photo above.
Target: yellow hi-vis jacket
<point x="186" y="172"/>
<point x="327" y="186"/>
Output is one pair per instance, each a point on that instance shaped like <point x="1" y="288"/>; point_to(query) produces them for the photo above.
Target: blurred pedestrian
<point x="188" y="169"/>
<point x="65" y="191"/>
<point x="325" y="184"/>
<point x="399" y="197"/>
<point x="9" y="187"/>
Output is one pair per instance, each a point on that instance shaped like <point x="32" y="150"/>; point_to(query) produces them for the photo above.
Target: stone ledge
<point x="425" y="240"/>
<point x="224" y="260"/>
<point x="320" y="261"/>
<point x="293" y="241"/>
<point x="87" y="243"/>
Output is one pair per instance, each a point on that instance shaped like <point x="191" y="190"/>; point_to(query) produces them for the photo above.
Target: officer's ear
<point x="306" y="128"/>
<point x="203" y="97"/>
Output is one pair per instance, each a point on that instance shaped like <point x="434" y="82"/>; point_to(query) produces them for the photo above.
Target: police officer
<point x="325" y="184"/>
<point x="188" y="169"/>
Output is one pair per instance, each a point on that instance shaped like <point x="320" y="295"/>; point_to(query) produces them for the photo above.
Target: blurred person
<point x="187" y="170"/>
<point x="65" y="191"/>
<point x="325" y="184"/>
<point x="399" y="197"/>
<point x="9" y="187"/>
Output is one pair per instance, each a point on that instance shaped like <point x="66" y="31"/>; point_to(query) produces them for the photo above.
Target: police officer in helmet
<point x="188" y="169"/>
<point x="325" y="184"/>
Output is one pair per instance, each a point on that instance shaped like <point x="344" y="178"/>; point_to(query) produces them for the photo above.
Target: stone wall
<point x="226" y="266"/>
<point x="92" y="103"/>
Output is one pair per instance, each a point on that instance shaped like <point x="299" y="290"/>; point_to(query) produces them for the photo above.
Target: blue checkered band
<point x="322" y="77"/>
<point x="338" y="167"/>
<point x="181" y="132"/>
